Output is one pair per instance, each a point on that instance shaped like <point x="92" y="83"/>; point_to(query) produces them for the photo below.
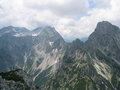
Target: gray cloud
<point x="62" y="7"/>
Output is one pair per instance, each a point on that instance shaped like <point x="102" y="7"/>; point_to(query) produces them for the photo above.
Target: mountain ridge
<point x="54" y="64"/>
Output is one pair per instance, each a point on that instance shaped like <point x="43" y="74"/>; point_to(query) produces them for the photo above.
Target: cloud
<point x="86" y="24"/>
<point x="71" y="18"/>
<point x="60" y="7"/>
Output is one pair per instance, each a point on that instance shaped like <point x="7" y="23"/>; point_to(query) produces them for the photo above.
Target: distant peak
<point x="77" y="40"/>
<point x="12" y="27"/>
<point x="7" y="27"/>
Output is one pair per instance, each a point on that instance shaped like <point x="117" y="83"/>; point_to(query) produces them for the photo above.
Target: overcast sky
<point x="71" y="18"/>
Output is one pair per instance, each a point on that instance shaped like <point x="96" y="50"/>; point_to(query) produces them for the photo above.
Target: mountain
<point x="37" y="52"/>
<point x="89" y="67"/>
<point x="54" y="64"/>
<point x="12" y="48"/>
<point x="106" y="37"/>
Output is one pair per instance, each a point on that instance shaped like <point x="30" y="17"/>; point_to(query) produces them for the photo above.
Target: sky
<point x="71" y="18"/>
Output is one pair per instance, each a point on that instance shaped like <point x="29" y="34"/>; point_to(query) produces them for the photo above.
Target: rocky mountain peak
<point x="102" y="23"/>
<point x="47" y="31"/>
<point x="44" y="29"/>
<point x="105" y="27"/>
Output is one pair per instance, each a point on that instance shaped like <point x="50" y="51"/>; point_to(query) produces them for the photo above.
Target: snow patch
<point x="35" y="34"/>
<point x="55" y="50"/>
<point x="55" y="61"/>
<point x="19" y="35"/>
<point x="51" y="43"/>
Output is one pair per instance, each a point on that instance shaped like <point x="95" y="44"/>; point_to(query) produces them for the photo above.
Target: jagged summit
<point x="106" y="27"/>
<point x="104" y="22"/>
<point x="46" y="30"/>
<point x="104" y="30"/>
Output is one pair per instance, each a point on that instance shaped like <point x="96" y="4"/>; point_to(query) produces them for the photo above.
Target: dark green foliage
<point x="12" y="76"/>
<point x="68" y="59"/>
<point x="81" y="85"/>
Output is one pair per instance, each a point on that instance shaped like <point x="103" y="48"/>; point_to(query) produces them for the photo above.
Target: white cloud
<point x="72" y="18"/>
<point x="86" y="24"/>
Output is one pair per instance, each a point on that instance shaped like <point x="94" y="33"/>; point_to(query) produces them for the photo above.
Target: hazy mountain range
<point x="53" y="64"/>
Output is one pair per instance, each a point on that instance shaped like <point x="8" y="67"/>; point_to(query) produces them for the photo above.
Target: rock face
<point x="35" y="51"/>
<point x="106" y="37"/>
<point x="56" y="65"/>
<point x="12" y="48"/>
